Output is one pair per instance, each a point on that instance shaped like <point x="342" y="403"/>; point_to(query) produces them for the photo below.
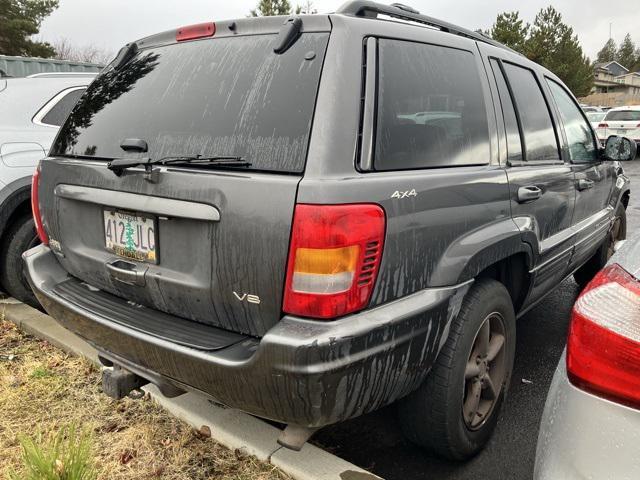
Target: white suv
<point x="33" y="108"/>
<point x="623" y="121"/>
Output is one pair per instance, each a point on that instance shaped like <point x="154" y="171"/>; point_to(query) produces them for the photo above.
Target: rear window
<point x="431" y="110"/>
<point x="624" y="116"/>
<point x="223" y="96"/>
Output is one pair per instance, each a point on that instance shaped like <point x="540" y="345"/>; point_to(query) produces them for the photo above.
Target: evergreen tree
<point x="553" y="44"/>
<point x="549" y="42"/>
<point x="626" y="54"/>
<point x="19" y="20"/>
<point x="267" y="8"/>
<point x="510" y="30"/>
<point x="636" y="64"/>
<point x="608" y="52"/>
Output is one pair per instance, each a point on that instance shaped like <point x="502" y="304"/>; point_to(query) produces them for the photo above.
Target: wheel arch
<point x="497" y="251"/>
<point x="16" y="204"/>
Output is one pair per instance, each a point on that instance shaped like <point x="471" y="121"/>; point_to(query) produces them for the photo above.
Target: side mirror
<point x="620" y="149"/>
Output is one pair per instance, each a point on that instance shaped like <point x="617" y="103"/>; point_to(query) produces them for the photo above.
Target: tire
<point x="21" y="236"/>
<point x="433" y="416"/>
<point x="585" y="273"/>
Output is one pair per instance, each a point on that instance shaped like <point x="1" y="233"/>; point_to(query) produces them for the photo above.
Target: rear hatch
<point x="205" y="242"/>
<point x="620" y="122"/>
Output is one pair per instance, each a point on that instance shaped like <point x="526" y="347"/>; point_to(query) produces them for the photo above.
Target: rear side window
<point x="582" y="146"/>
<point x="431" y="110"/>
<point x="60" y="111"/>
<point x="227" y="96"/>
<point x="539" y="136"/>
<point x="623" y="116"/>
<point x="514" y="142"/>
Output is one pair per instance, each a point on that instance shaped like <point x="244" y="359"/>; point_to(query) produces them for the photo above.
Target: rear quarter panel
<point x="459" y="220"/>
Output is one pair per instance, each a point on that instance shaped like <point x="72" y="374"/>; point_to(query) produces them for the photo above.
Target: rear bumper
<point x="302" y="372"/>
<point x="583" y="436"/>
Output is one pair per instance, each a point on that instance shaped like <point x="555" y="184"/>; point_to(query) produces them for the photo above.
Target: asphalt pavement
<point x="374" y="441"/>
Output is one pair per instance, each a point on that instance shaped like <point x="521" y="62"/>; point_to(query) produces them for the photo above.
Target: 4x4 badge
<point x="408" y="193"/>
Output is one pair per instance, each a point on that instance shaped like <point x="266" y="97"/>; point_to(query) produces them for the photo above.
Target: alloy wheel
<point x="485" y="372"/>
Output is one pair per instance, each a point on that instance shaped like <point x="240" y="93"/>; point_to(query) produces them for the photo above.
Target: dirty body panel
<point x="218" y="237"/>
<point x="301" y="372"/>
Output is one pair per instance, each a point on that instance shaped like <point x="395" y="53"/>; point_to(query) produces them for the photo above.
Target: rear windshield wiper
<point x="119" y="164"/>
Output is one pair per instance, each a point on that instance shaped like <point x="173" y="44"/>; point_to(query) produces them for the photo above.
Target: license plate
<point x="621" y="131"/>
<point x="130" y="235"/>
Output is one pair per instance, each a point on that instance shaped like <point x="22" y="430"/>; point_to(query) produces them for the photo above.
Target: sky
<point x="109" y="24"/>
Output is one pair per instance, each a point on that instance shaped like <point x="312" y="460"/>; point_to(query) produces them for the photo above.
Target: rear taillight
<point x="192" y="32"/>
<point x="35" y="206"/>
<point x="603" y="349"/>
<point x="333" y="259"/>
<point x="603" y="125"/>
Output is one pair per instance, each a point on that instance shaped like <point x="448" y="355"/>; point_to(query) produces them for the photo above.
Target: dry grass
<point x="43" y="390"/>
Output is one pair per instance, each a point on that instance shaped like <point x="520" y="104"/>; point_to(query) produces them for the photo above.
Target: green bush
<point x="66" y="455"/>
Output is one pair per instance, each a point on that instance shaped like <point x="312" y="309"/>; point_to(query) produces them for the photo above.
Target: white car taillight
<point x="603" y="348"/>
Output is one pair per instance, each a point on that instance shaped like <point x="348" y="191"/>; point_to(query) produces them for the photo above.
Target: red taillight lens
<point x="199" y="30"/>
<point x="35" y="206"/>
<point x="603" y="350"/>
<point x="603" y="125"/>
<point x="333" y="259"/>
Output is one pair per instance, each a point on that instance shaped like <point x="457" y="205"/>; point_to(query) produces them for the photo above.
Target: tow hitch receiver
<point x="118" y="382"/>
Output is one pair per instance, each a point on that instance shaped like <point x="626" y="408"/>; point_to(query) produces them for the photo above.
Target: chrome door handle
<point x="127" y="272"/>
<point x="529" y="193"/>
<point x="584" y="184"/>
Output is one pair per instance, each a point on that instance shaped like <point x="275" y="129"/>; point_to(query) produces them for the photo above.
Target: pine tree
<point x="608" y="52"/>
<point x="626" y="54"/>
<point x="19" y="20"/>
<point x="268" y="8"/>
<point x="553" y="44"/>
<point x="510" y="30"/>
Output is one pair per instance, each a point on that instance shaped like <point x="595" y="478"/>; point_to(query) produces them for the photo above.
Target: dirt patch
<point x="42" y="389"/>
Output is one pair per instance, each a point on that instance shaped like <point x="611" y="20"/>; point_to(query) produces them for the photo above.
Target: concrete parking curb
<point x="231" y="428"/>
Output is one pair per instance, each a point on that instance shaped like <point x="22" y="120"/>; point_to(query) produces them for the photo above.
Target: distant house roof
<point x="630" y="73"/>
<point x="614" y="67"/>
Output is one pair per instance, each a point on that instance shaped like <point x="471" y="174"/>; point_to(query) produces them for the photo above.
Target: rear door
<point x="541" y="183"/>
<point x="594" y="177"/>
<point x="202" y="242"/>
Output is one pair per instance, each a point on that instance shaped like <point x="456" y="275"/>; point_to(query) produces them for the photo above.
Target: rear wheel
<point x="20" y="237"/>
<point x="456" y="409"/>
<point x="617" y="232"/>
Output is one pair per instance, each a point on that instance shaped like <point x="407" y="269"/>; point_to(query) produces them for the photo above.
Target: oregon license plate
<point x="131" y="235"/>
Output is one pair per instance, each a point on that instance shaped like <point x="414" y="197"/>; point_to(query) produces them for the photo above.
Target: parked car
<point x="33" y="108"/>
<point x="591" y="419"/>
<point x="621" y="121"/>
<point x="239" y="208"/>
<point x="590" y="109"/>
<point x="595" y="118"/>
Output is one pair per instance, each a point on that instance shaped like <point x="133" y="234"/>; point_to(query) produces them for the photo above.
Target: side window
<point x="514" y="142"/>
<point x="582" y="146"/>
<point x="535" y="119"/>
<point x="431" y="110"/>
<point x="60" y="111"/>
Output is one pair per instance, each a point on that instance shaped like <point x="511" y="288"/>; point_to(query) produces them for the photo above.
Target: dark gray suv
<point x="309" y="218"/>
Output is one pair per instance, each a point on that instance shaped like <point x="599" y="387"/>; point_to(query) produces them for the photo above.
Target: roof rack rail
<point x="370" y="9"/>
